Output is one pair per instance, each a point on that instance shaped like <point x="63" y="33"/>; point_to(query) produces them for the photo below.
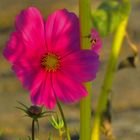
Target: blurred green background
<point x="125" y="94"/>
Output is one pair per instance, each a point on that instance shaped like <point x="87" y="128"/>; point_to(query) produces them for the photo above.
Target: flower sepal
<point x="35" y="112"/>
<point x="57" y="122"/>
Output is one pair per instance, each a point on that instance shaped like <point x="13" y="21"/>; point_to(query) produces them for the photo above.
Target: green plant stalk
<point x="107" y="83"/>
<point x="85" y="115"/>
<point x="85" y="103"/>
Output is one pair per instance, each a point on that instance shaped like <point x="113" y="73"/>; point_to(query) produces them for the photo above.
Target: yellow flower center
<point x="50" y="62"/>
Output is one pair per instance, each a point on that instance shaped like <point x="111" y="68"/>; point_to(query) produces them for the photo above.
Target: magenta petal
<point x="42" y="92"/>
<point x="14" y="48"/>
<point x="81" y="66"/>
<point x="66" y="89"/>
<point x="96" y="41"/>
<point x="26" y="72"/>
<point x="62" y="32"/>
<point x="37" y="96"/>
<point x="30" y="27"/>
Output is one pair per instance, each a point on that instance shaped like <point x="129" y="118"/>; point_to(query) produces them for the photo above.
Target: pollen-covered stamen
<point x="50" y="62"/>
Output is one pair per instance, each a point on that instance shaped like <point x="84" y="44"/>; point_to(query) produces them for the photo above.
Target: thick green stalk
<point x="107" y="83"/>
<point x="85" y="104"/>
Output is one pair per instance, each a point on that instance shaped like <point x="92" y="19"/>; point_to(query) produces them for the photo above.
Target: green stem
<point x="33" y="129"/>
<point x="107" y="83"/>
<point x="64" y="120"/>
<point x="62" y="114"/>
<point x="85" y="104"/>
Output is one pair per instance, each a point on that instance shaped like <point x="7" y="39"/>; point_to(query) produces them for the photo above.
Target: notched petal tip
<point x="13" y="48"/>
<point x="30" y="27"/>
<point x="26" y="12"/>
<point x="62" y="31"/>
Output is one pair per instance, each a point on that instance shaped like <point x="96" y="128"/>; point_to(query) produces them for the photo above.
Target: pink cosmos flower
<point x="96" y="41"/>
<point x="47" y="58"/>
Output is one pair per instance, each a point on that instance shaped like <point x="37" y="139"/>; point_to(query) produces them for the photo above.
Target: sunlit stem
<point x="64" y="120"/>
<point x="85" y="103"/>
<point x="107" y="83"/>
<point x="33" y="129"/>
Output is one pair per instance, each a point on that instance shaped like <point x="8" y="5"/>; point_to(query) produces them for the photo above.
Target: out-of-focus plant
<point x="109" y="14"/>
<point x="110" y="17"/>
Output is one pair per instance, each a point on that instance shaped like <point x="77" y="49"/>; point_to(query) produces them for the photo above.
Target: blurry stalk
<point x="33" y="129"/>
<point x="85" y="103"/>
<point x="107" y="83"/>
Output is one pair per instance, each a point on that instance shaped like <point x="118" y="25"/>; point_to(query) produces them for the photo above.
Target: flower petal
<point x="14" y="48"/>
<point x="26" y="72"/>
<point x="81" y="66"/>
<point x="66" y="89"/>
<point x="42" y="92"/>
<point x="62" y="32"/>
<point x="30" y="27"/>
<point x="96" y="41"/>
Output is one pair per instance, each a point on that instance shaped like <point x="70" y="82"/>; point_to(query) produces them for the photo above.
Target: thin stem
<point x="64" y="120"/>
<point x="33" y="129"/>
<point x="85" y="103"/>
<point x="61" y="112"/>
<point x="107" y="83"/>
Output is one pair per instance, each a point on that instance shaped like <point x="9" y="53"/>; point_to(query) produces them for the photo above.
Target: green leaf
<point x="109" y="14"/>
<point x="100" y="21"/>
